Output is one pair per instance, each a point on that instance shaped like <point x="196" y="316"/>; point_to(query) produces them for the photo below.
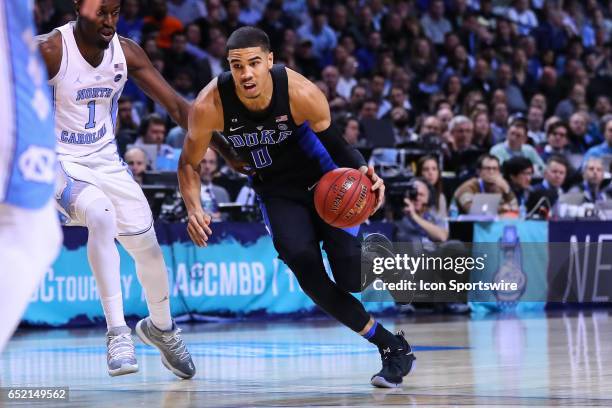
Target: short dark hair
<point x="557" y="158"/>
<point x="486" y="156"/>
<point x="151" y="119"/>
<point x="555" y="125"/>
<point x="247" y="37"/>
<point x="516" y="165"/>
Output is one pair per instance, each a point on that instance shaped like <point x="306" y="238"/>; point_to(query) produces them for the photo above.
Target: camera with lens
<point x="411" y="192"/>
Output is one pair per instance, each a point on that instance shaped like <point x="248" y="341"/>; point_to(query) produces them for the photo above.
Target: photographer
<point x="419" y="222"/>
<point x="421" y="227"/>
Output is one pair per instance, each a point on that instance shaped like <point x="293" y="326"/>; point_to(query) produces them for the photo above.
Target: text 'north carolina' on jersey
<point x="85" y="97"/>
<point x="283" y="154"/>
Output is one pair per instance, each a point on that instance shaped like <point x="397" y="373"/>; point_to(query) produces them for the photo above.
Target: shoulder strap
<point x="281" y="84"/>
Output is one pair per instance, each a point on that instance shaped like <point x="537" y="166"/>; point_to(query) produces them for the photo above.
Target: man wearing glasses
<point x="488" y="180"/>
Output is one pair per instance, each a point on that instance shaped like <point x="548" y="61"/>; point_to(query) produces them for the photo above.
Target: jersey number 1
<point x="91" y="105"/>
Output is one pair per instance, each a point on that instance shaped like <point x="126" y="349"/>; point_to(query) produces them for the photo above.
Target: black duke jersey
<point x="284" y="155"/>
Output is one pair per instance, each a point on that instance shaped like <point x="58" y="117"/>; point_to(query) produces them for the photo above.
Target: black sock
<point x="381" y="337"/>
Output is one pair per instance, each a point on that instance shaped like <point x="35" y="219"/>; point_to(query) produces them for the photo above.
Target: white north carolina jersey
<point x="85" y="97"/>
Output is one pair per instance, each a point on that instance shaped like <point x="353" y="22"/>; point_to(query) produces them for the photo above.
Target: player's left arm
<point x="148" y="78"/>
<point x="308" y="103"/>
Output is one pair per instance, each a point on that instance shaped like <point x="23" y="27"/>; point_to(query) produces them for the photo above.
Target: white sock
<point x="113" y="310"/>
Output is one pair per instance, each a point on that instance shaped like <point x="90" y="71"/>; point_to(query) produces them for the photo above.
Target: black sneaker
<point x="396" y="363"/>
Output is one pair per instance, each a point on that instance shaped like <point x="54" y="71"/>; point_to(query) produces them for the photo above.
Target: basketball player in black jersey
<point x="280" y="123"/>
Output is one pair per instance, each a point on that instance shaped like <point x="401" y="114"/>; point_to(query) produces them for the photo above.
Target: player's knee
<point x="101" y="218"/>
<point x="144" y="244"/>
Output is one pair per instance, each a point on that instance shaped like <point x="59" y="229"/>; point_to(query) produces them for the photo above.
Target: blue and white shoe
<point x="120" y="355"/>
<point x="174" y="353"/>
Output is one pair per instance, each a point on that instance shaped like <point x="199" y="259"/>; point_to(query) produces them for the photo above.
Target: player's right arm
<point x="205" y="117"/>
<point x="50" y="47"/>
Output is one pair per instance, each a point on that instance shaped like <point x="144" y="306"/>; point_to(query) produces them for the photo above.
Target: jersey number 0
<point x="261" y="157"/>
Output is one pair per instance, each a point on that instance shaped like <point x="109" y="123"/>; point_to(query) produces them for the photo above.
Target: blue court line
<point x="256" y="349"/>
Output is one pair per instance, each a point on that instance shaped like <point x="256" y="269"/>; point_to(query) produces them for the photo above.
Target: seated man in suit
<point x="592" y="175"/>
<point x="554" y="177"/>
<point x="211" y="194"/>
<point x="518" y="172"/>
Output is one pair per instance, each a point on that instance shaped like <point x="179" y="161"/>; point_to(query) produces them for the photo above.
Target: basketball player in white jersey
<point x="30" y="235"/>
<point x="88" y="64"/>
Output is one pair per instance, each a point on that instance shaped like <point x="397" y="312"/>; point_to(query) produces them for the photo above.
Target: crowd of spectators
<point x="473" y="96"/>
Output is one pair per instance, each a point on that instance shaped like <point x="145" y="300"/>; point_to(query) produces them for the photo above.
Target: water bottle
<point x="522" y="211"/>
<point x="453" y="211"/>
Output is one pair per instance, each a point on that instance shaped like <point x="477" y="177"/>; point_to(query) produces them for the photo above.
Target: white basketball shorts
<point x="83" y="180"/>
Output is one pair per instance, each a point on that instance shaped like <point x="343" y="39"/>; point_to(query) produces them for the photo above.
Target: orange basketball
<point x="344" y="198"/>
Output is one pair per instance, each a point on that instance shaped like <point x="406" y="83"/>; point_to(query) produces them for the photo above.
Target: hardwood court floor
<point x="559" y="360"/>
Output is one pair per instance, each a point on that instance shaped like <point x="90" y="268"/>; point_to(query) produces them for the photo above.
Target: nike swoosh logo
<point x="231" y="129"/>
<point x="313" y="186"/>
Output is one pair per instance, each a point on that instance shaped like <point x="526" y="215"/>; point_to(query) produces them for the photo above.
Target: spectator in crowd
<point x="160" y="21"/>
<point x="369" y="109"/>
<point x="356" y="100"/>
<point x="400" y="119"/>
<point x="602" y="108"/>
<point x="483" y="137"/>
<point x="232" y="17"/>
<point x="576" y="100"/>
<point x="592" y="175"/>
<point x="419" y="223"/>
<point x="320" y="34"/>
<point x="211" y="194"/>
<point x="518" y="171"/>
<point x="153" y="134"/>
<point x="305" y="58"/>
<point x="250" y="13"/>
<point x="130" y="22"/>
<point x="488" y="180"/>
<point x="580" y="138"/>
<point x="177" y="58"/>
<point x="461" y="153"/>
<point x="444" y="116"/>
<point x="126" y="131"/>
<point x="431" y="126"/>
<point x="515" y="146"/>
<point x="136" y="160"/>
<point x="347" y="80"/>
<point x="514" y="95"/>
<point x="604" y="149"/>
<point x="499" y="122"/>
<point x="428" y="168"/>
<point x="557" y="169"/>
<point x="351" y="132"/>
<point x="557" y="142"/>
<point x="535" y="125"/>
<point x="521" y="15"/>
<point x="186" y="10"/>
<point x="434" y="24"/>
<point x="331" y="76"/>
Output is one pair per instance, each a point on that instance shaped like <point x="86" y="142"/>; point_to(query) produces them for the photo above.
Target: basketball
<point x="344" y="197"/>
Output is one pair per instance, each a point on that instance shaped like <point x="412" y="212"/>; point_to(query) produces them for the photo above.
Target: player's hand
<point x="378" y="186"/>
<point x="89" y="8"/>
<point x="198" y="227"/>
<point x="409" y="208"/>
